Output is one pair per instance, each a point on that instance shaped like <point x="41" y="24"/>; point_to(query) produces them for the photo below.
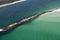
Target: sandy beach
<point x="6" y="4"/>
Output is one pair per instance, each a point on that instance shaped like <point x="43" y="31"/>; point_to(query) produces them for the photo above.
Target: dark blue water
<point x="35" y="30"/>
<point x="18" y="11"/>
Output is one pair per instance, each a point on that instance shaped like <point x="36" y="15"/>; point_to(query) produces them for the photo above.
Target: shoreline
<point x="8" y="1"/>
<point x="7" y="4"/>
<point x="14" y="25"/>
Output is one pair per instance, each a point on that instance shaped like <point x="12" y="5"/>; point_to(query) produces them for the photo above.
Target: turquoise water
<point x="45" y="27"/>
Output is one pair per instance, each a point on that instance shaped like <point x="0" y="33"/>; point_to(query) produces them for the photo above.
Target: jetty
<point x="16" y="24"/>
<point x="6" y="1"/>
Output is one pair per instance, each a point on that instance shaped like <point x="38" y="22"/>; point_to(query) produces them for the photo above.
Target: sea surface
<point x="45" y="27"/>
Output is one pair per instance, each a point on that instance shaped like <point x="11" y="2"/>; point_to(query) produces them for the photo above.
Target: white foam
<point x="11" y="3"/>
<point x="56" y="10"/>
<point x="12" y="24"/>
<point x="1" y="30"/>
<point x="53" y="16"/>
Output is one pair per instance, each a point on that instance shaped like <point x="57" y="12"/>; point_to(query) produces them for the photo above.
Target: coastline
<point x="7" y="1"/>
<point x="7" y="4"/>
<point x="13" y="25"/>
<point x="42" y="28"/>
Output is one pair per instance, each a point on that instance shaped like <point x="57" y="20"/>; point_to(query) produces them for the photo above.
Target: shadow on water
<point x="9" y="31"/>
<point x="5" y="32"/>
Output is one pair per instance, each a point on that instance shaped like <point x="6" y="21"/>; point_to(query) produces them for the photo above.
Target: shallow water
<point x="45" y="27"/>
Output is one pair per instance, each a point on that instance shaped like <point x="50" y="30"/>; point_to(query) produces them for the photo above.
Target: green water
<point x="45" y="27"/>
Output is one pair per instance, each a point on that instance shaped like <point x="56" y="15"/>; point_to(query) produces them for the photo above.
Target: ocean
<point x="42" y="28"/>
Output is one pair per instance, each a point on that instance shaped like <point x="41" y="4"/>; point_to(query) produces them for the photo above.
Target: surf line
<point x="14" y="25"/>
<point x="7" y="4"/>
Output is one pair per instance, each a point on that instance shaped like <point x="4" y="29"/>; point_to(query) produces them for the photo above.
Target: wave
<point x="12" y="3"/>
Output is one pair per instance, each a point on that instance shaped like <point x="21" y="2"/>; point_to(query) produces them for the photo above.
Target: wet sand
<point x="9" y="1"/>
